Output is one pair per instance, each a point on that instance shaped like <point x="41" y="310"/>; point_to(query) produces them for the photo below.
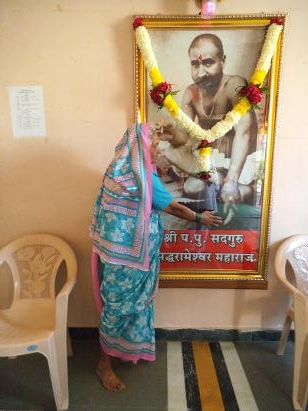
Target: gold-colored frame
<point x="220" y="278"/>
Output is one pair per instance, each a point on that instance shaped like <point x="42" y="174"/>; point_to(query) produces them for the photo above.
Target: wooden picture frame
<point x="235" y="254"/>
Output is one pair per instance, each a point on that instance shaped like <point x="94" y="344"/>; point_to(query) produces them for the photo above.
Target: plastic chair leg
<point x="57" y="361"/>
<point x="300" y="384"/>
<point x="284" y="334"/>
<point x="69" y="345"/>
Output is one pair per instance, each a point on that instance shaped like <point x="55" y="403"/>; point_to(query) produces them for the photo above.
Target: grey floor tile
<point x="127" y="407"/>
<point x="81" y="408"/>
<point x="25" y="384"/>
<point x="270" y="376"/>
<point x="146" y="382"/>
<point x="143" y="408"/>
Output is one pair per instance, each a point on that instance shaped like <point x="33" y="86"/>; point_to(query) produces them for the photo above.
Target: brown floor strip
<point x="211" y="399"/>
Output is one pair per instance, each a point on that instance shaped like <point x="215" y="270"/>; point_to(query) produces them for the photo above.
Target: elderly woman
<point x="127" y="233"/>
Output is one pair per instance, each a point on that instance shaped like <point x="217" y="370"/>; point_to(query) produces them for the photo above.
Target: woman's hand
<point x="205" y="218"/>
<point x="210" y="218"/>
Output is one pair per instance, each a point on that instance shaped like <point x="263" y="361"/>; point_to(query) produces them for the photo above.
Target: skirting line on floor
<point x="206" y="376"/>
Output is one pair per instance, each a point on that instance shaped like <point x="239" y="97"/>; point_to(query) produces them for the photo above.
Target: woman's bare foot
<point x="107" y="376"/>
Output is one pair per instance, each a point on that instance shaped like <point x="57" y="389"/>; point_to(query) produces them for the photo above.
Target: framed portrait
<point x="207" y="63"/>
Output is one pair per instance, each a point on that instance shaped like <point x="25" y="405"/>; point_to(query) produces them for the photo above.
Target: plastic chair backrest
<point x="295" y="251"/>
<point x="34" y="261"/>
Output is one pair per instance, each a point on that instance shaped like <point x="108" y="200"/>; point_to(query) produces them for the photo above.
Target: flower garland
<point x="250" y="94"/>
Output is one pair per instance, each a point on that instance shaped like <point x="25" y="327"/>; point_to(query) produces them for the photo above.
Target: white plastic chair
<point x="36" y="321"/>
<point x="294" y="251"/>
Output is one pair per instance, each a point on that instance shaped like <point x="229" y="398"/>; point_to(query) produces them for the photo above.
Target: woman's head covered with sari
<point x="120" y="222"/>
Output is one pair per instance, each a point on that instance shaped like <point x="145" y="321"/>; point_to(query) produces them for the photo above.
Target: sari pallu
<point x="127" y="319"/>
<point x="119" y="226"/>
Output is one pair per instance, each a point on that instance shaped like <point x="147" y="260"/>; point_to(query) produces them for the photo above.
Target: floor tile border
<point x="190" y="334"/>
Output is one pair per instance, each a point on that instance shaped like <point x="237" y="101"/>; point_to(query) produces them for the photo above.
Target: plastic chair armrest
<point x="66" y="289"/>
<point x="62" y="303"/>
<point x="291" y="288"/>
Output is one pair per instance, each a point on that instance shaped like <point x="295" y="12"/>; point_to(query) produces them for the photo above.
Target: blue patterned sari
<point x="127" y="320"/>
<point x="127" y="236"/>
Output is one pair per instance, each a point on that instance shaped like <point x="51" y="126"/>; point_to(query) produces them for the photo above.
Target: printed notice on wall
<point x="27" y="111"/>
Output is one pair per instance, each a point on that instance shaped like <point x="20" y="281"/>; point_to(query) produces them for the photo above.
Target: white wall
<point x="81" y="52"/>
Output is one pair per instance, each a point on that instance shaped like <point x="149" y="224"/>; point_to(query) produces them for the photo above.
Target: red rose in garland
<point x="160" y="92"/>
<point x="277" y="20"/>
<point x="252" y="92"/>
<point x="204" y="175"/>
<point x="137" y="22"/>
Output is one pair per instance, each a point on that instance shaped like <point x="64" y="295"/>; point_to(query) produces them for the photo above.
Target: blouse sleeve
<point x="161" y="198"/>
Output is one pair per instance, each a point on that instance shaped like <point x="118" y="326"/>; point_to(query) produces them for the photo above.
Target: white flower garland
<point x="233" y="116"/>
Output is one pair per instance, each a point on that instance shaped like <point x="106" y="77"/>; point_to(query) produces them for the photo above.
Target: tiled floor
<point x="194" y="376"/>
